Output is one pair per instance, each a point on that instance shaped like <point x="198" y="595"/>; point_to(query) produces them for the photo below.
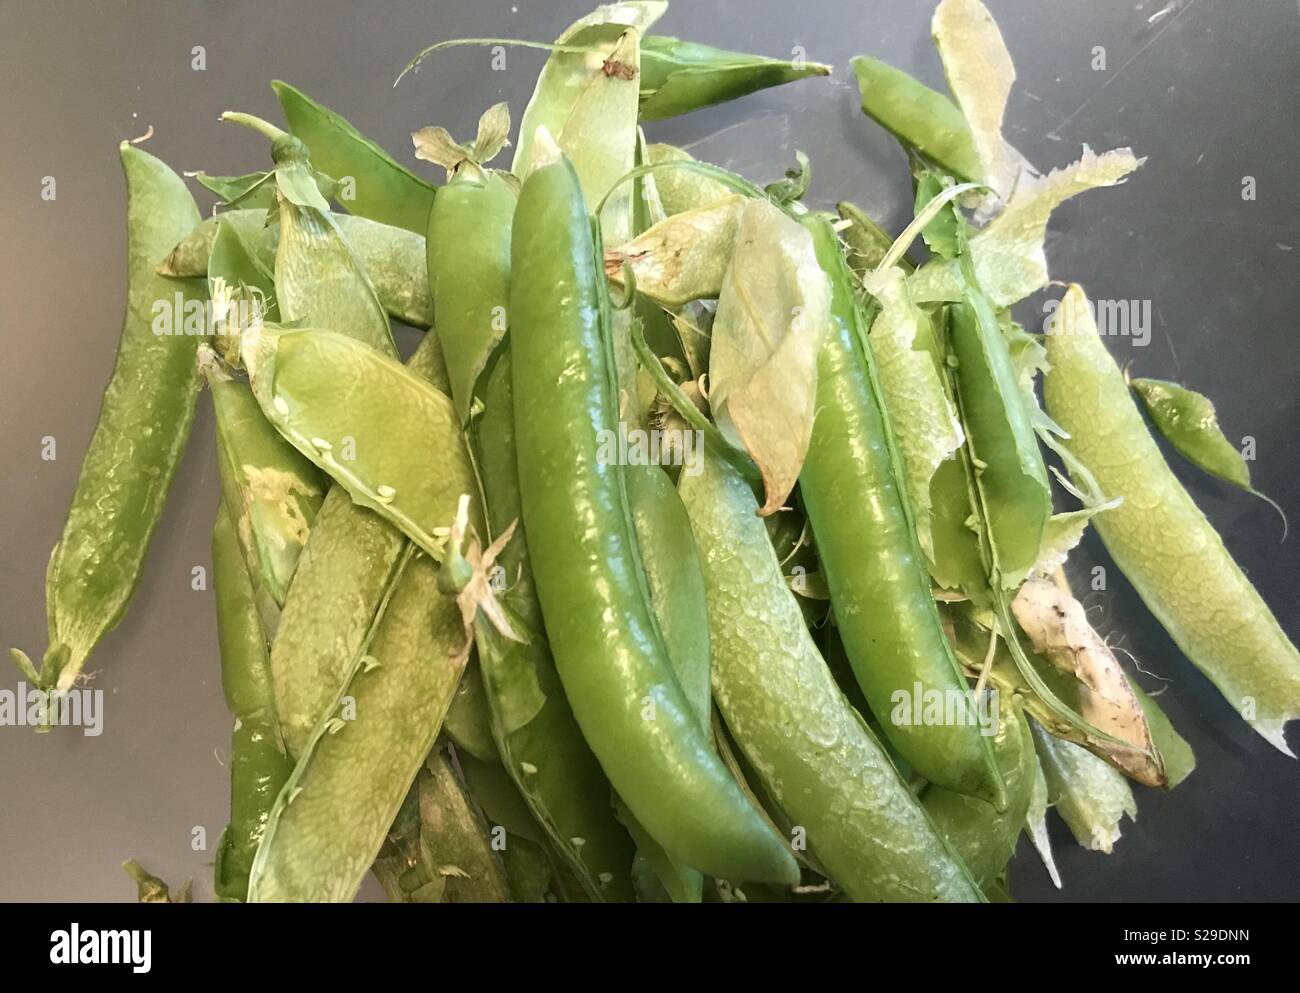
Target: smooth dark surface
<point x="1207" y="91"/>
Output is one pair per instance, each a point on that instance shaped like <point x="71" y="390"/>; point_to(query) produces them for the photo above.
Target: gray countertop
<point x="1207" y="90"/>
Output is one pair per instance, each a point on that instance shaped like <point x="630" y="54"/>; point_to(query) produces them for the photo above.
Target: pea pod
<point x="921" y="118"/>
<point x="1171" y="554"/>
<point x="439" y="850"/>
<point x="259" y="765"/>
<point x="1187" y="421"/>
<point x="814" y="753"/>
<point x="397" y="448"/>
<point x="852" y="489"/>
<point x="983" y="837"/>
<point x="337" y="588"/>
<point x="537" y="739"/>
<point x="680" y="76"/>
<point x="468" y="269"/>
<point x="1010" y="469"/>
<point x="139" y="437"/>
<point x="270" y="491"/>
<point x="389" y="255"/>
<point x="618" y="676"/>
<point x="676" y="587"/>
<point x="382" y="189"/>
<point x="333" y="814"/>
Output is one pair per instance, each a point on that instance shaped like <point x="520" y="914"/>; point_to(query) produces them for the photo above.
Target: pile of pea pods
<point x="705" y="549"/>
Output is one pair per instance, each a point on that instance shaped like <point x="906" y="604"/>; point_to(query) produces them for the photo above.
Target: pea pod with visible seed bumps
<point x="852" y="489"/>
<point x="778" y="698"/>
<point x="617" y="675"/>
<point x="139" y="438"/>
<point x="1159" y="538"/>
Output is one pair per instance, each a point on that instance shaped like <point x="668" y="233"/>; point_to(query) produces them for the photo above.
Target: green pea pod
<point x="676" y="585"/>
<point x="189" y="256"/>
<point x="380" y="188"/>
<point x="543" y="750"/>
<point x="333" y="814"/>
<point x="617" y="675"/>
<point x="337" y="588"/>
<point x="984" y="838"/>
<point x="1171" y="554"/>
<point x="571" y="79"/>
<point x="880" y="591"/>
<point x="866" y="242"/>
<point x="1010" y="469"/>
<point x="271" y="492"/>
<point x="468" y="247"/>
<point x="680" y="76"/>
<point x="469" y="721"/>
<point x="536" y="737"/>
<point x="390" y="256"/>
<point x="1187" y="421"/>
<point x="442" y="844"/>
<point x="319" y="280"/>
<point x="921" y="118"/>
<point x="259" y="766"/>
<point x="139" y="437"/>
<point x="386" y="435"/>
<point x="815" y="755"/>
<point x="1091" y="797"/>
<point x="683" y="189"/>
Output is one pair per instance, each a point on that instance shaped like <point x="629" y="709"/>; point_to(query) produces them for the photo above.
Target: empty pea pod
<point x="389" y="255"/>
<point x="333" y="814"/>
<point x="259" y="764"/>
<point x="143" y="423"/>
<point x="1158" y="537"/>
<point x="337" y="588"/>
<point x="617" y="676"/>
<point x="380" y="188"/>
<point x="399" y="453"/>
<point x="680" y="76"/>
<point x="780" y="702"/>
<point x="270" y="491"/>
